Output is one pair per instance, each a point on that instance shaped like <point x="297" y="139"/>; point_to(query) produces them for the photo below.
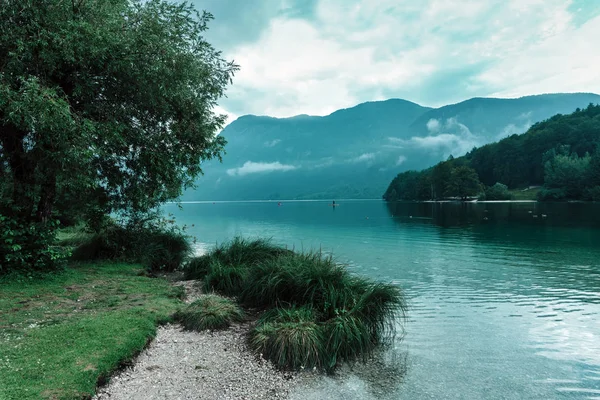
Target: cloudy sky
<point x="317" y="56"/>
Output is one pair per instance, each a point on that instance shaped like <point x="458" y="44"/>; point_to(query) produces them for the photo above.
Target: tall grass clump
<point x="290" y="338"/>
<point x="238" y="251"/>
<point x="226" y="279"/>
<point x="210" y="312"/>
<point x="351" y="314"/>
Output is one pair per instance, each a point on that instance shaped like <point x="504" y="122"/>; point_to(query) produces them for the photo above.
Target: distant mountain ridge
<point x="355" y="152"/>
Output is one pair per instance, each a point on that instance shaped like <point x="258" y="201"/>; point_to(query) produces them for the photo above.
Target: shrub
<point x="166" y="251"/>
<point x="210" y="312"/>
<point x="29" y="246"/>
<point x="592" y="193"/>
<point x="552" y="194"/>
<point x="147" y="241"/>
<point x="290" y="338"/>
<point x="497" y="192"/>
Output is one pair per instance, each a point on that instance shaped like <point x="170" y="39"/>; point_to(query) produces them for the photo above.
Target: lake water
<point x="504" y="297"/>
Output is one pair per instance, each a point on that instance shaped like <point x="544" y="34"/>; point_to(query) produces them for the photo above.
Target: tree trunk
<point x="23" y="171"/>
<point x="47" y="196"/>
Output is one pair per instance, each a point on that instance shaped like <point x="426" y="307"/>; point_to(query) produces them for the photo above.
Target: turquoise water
<point x="504" y="298"/>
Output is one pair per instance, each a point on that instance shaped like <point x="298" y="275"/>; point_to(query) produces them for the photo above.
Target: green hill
<point x="561" y="153"/>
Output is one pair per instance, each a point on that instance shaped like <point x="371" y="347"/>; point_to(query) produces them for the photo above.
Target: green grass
<point x="210" y="312"/>
<point x="61" y="334"/>
<point x="527" y="194"/>
<point x="73" y="236"/>
<point x="317" y="314"/>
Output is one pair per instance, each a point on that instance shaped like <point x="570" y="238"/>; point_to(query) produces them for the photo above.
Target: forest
<point x="561" y="154"/>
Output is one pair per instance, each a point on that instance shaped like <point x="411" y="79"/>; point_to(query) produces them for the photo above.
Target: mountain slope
<point x="355" y="152"/>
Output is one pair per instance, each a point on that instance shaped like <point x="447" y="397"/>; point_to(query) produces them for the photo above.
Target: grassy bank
<point x="525" y="194"/>
<point x="62" y="334"/>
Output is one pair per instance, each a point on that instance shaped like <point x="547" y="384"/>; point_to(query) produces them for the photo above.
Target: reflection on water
<point x="504" y="297"/>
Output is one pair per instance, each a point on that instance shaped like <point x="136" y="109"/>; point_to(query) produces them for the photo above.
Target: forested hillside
<point x="561" y="153"/>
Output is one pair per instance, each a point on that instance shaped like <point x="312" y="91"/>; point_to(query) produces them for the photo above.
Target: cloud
<point x="230" y="116"/>
<point x="433" y="125"/>
<point x="272" y="143"/>
<point x="250" y="167"/>
<point x="512" y="129"/>
<point x="401" y="160"/>
<point x="433" y="52"/>
<point x="452" y="137"/>
<point x="363" y="157"/>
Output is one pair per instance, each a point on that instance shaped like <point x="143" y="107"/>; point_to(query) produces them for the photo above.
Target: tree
<point x="567" y="173"/>
<point x="440" y="176"/>
<point x="114" y="97"/>
<point x="497" y="192"/>
<point x="463" y="182"/>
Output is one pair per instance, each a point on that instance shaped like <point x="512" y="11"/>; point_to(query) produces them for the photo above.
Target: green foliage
<point x="65" y="331"/>
<point x="290" y="338"/>
<point x="463" y="183"/>
<point x="96" y="127"/>
<point x="209" y="312"/>
<point x="197" y="267"/>
<point x="151" y="240"/>
<point x="227" y="279"/>
<point x="497" y="192"/>
<point x="27" y="247"/>
<point x="552" y="152"/>
<point x="239" y="252"/>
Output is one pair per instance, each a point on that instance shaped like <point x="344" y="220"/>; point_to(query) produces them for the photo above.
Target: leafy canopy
<point x="109" y="97"/>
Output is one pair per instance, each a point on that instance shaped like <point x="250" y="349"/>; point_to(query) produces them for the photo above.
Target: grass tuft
<point x="210" y="312"/>
<point x="238" y="251"/>
<point x="290" y="338"/>
<point x="226" y="279"/>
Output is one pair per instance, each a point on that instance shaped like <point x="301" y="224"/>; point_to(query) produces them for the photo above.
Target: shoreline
<point x="198" y="365"/>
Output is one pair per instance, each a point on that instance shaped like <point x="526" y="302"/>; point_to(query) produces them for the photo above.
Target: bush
<point x="210" y="312"/>
<point x="552" y="194"/>
<point x="592" y="193"/>
<point x="497" y="192"/>
<point x="149" y="241"/>
<point x="26" y="247"/>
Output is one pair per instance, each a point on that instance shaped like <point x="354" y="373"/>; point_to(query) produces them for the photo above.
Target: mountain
<point x="355" y="152"/>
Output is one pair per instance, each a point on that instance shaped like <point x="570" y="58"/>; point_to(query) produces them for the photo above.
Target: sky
<point x="317" y="56"/>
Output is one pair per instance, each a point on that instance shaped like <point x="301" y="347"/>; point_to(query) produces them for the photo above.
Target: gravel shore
<point x="180" y="364"/>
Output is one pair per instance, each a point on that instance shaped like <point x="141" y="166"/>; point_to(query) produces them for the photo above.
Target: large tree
<point x="463" y="182"/>
<point x="106" y="100"/>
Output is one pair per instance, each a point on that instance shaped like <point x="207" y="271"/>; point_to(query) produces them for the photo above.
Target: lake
<point x="504" y="297"/>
